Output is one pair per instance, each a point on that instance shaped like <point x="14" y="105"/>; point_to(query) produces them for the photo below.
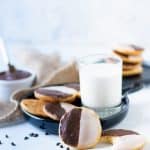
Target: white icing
<point x="67" y="107"/>
<point x="63" y="89"/>
<point x="123" y="47"/>
<point x="128" y="142"/>
<point x="89" y="128"/>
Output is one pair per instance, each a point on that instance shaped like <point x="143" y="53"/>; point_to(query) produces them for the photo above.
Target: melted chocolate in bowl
<point x="16" y="75"/>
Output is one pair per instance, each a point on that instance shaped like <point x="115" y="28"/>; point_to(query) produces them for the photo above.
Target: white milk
<point x="101" y="85"/>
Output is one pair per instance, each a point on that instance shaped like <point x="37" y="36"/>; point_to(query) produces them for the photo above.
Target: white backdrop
<point x="72" y="27"/>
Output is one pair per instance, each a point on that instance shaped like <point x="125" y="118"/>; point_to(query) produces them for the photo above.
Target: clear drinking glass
<point x="100" y="81"/>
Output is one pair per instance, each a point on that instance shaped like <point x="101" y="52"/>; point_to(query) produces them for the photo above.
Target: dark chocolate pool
<point x="15" y="75"/>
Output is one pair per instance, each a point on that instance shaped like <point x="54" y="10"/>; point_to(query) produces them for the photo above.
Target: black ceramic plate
<point x="107" y="120"/>
<point x="134" y="83"/>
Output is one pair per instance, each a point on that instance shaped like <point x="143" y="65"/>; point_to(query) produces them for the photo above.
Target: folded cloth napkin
<point x="49" y="69"/>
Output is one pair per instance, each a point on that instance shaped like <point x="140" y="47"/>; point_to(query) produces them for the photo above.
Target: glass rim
<point x="83" y="59"/>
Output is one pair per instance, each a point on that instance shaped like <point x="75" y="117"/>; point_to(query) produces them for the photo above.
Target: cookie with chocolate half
<point x="123" y="139"/>
<point x="129" y="58"/>
<point x="33" y="106"/>
<point x="57" y="93"/>
<point x="130" y="49"/>
<point x="56" y="110"/>
<point x="80" y="128"/>
<point x="130" y="72"/>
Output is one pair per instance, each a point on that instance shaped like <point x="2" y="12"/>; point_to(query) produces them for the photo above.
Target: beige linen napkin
<point x="49" y="69"/>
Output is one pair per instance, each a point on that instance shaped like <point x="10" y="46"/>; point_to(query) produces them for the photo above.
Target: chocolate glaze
<point x="52" y="93"/>
<point x="75" y="86"/>
<point x="70" y="127"/>
<point x="120" y="54"/>
<point x="15" y="75"/>
<point x="118" y="132"/>
<point x="55" y="109"/>
<point x="136" y="47"/>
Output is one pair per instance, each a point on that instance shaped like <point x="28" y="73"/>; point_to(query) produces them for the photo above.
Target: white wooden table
<point x="138" y="119"/>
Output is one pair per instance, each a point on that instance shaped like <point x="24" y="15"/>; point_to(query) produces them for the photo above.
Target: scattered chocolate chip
<point x="61" y="146"/>
<point x="67" y="148"/>
<point x="1" y="142"/>
<point x="46" y="133"/>
<point x="13" y="144"/>
<point x="58" y="144"/>
<point x="6" y="136"/>
<point x="26" y="138"/>
<point x="35" y="135"/>
<point x="42" y="127"/>
<point x="31" y="134"/>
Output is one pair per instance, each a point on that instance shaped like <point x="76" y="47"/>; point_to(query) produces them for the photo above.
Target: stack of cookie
<point x="132" y="59"/>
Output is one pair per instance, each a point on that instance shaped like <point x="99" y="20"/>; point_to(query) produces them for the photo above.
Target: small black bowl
<point x="50" y="126"/>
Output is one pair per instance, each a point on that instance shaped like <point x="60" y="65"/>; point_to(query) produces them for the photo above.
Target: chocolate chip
<point x="35" y="135"/>
<point x="13" y="144"/>
<point x="61" y="146"/>
<point x="1" y="142"/>
<point x="31" y="134"/>
<point x="46" y="133"/>
<point x="6" y="136"/>
<point x="67" y="148"/>
<point x="26" y="138"/>
<point x="58" y="144"/>
<point x="42" y="127"/>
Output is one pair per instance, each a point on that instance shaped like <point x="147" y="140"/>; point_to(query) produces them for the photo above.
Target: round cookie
<point x="56" y="110"/>
<point x="130" y="49"/>
<point x="123" y="139"/>
<point x="130" y="59"/>
<point x="131" y="72"/>
<point x="56" y="94"/>
<point x="80" y="128"/>
<point x="127" y="66"/>
<point x="33" y="106"/>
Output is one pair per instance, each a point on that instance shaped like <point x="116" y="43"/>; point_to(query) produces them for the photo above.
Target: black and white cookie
<point x="80" y="128"/>
<point x="60" y="93"/>
<point x="123" y="139"/>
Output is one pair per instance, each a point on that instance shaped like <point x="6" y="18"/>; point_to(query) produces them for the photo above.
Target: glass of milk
<point x="100" y="81"/>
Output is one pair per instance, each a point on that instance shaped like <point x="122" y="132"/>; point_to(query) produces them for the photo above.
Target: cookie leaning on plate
<point x="58" y="93"/>
<point x="33" y="106"/>
<point x="56" y="110"/>
<point x="123" y="139"/>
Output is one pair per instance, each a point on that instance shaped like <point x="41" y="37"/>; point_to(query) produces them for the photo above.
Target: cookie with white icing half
<point x="123" y="139"/>
<point x="33" y="106"/>
<point x="129" y="49"/>
<point x="57" y="93"/>
<point x="80" y="128"/>
<point x="56" y="110"/>
<point x="129" y="58"/>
